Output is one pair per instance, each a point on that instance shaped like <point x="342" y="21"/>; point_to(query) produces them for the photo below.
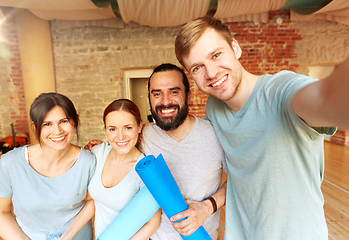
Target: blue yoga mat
<point x="136" y="213"/>
<point x="158" y="178"/>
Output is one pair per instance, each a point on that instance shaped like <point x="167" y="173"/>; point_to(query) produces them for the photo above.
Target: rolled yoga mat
<point x="136" y="213"/>
<point x="158" y="178"/>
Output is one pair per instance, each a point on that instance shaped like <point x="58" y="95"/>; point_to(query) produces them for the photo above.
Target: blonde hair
<point x="189" y="34"/>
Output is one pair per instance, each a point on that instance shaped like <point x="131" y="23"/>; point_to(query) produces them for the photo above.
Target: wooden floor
<point x="335" y="188"/>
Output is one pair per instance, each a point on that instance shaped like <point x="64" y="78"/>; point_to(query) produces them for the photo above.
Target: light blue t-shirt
<point x="46" y="205"/>
<point x="275" y="161"/>
<point x="110" y="201"/>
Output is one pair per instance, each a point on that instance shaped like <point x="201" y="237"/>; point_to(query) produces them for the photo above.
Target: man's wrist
<point x="213" y="202"/>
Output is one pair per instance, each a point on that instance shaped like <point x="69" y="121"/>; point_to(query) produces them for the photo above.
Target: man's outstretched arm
<point x="325" y="103"/>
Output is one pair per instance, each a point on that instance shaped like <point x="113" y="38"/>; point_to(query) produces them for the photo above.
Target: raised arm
<point x="9" y="228"/>
<point x="326" y="103"/>
<point x="198" y="212"/>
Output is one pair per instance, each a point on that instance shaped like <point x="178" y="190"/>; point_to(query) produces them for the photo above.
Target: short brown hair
<point x="190" y="33"/>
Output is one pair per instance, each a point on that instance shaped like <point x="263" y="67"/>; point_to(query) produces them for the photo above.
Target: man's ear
<point x="236" y="48"/>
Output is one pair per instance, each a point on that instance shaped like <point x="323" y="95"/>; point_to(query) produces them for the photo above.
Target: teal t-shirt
<point x="275" y="162"/>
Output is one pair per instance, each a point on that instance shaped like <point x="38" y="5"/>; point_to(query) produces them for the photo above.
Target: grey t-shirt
<point x="196" y="164"/>
<point x="45" y="205"/>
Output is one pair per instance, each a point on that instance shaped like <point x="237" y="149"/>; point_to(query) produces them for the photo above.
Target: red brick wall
<point x="341" y="137"/>
<point x="19" y="118"/>
<point x="267" y="48"/>
<point x="197" y="104"/>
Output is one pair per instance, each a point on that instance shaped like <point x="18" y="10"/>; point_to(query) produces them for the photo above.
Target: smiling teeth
<point x="122" y="144"/>
<point x="167" y="110"/>
<point x="219" y="82"/>
<point x="58" y="139"/>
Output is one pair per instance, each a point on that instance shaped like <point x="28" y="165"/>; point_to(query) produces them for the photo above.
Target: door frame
<point x="136" y="73"/>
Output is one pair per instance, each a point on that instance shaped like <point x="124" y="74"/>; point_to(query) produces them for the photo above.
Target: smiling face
<point x="169" y="105"/>
<point x="214" y="65"/>
<point x="122" y="131"/>
<point x="57" y="131"/>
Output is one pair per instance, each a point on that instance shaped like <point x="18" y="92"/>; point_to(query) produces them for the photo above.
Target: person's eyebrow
<point x="155" y="90"/>
<point x="158" y="90"/>
<point x="49" y="121"/>
<point x="209" y="54"/>
<point x="175" y="88"/>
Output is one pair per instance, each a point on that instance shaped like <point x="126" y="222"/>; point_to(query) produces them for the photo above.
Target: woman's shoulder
<point x="86" y="155"/>
<point x="13" y="157"/>
<point x="100" y="147"/>
<point x="14" y="153"/>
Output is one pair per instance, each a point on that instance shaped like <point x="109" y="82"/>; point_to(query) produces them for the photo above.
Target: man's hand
<point x="195" y="216"/>
<point x="92" y="143"/>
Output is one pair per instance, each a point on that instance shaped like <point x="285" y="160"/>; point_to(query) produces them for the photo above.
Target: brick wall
<point x="12" y="99"/>
<point x="341" y="137"/>
<point x="267" y="48"/>
<point x="90" y="61"/>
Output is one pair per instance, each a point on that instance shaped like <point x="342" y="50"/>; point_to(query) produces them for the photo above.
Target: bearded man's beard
<point x="170" y="123"/>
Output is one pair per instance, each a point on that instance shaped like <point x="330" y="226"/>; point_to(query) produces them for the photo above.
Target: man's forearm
<point x="219" y="197"/>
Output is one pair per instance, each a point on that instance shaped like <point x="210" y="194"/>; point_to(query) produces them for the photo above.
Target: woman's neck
<point x="132" y="155"/>
<point x="54" y="155"/>
<point x="50" y="162"/>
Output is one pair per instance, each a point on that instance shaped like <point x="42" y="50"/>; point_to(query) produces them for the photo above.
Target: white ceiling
<point x="173" y="12"/>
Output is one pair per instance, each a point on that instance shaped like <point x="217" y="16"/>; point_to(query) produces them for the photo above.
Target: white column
<point x="35" y="46"/>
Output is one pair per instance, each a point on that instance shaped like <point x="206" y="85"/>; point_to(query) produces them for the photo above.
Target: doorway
<point x="136" y="89"/>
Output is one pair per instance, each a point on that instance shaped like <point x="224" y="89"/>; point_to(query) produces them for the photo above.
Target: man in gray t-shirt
<point x="190" y="149"/>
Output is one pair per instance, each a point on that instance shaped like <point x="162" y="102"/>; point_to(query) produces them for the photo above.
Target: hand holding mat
<point x="158" y="178"/>
<point x="136" y="213"/>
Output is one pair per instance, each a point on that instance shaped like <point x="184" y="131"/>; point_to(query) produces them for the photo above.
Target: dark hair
<point x="189" y="34"/>
<point x="124" y="105"/>
<point x="171" y="67"/>
<point x="44" y="103"/>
